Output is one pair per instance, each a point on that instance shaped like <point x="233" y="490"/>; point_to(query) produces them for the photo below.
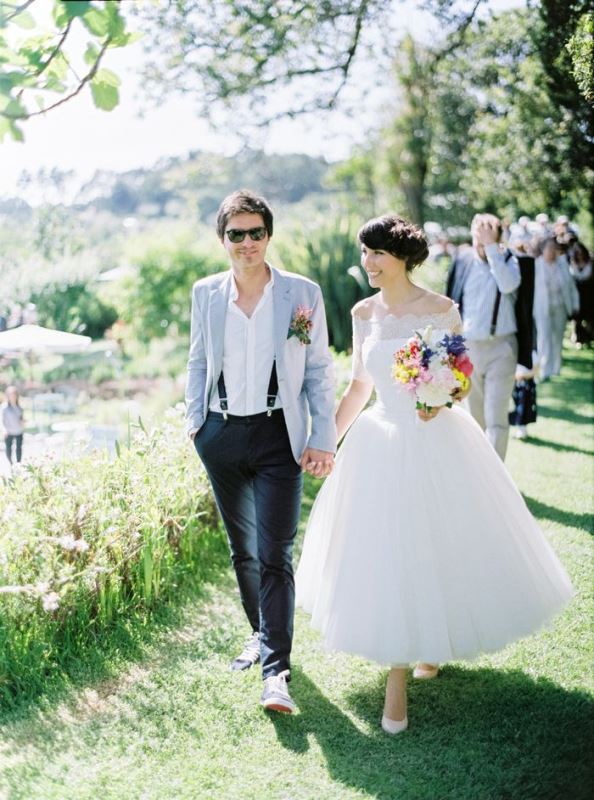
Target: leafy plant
<point x="87" y="540"/>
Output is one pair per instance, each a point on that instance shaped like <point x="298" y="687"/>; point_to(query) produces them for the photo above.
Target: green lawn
<point x="159" y="716"/>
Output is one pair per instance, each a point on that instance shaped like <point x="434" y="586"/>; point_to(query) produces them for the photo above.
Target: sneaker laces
<point x="251" y="650"/>
<point x="278" y="682"/>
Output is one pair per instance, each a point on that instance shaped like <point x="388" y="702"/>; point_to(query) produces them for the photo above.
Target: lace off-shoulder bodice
<point x="392" y="331"/>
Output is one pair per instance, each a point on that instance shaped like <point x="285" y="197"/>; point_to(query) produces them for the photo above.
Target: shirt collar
<point x="234" y="291"/>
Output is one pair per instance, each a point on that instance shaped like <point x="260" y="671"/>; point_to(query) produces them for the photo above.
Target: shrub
<point x="88" y="540"/>
<point x="158" y="299"/>
<point x="74" y="307"/>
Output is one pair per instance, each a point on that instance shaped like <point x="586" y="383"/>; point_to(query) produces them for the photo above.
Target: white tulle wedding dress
<point x="419" y="546"/>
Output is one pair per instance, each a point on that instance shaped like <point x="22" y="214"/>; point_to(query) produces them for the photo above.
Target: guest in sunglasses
<point x="259" y="371"/>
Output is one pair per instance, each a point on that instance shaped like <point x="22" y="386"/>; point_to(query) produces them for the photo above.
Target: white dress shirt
<point x="480" y="290"/>
<point x="248" y="355"/>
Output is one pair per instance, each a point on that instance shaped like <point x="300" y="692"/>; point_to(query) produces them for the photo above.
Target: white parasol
<point x="30" y="339"/>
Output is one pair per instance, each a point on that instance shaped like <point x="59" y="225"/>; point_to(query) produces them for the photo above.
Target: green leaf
<point x="116" y="23"/>
<point x="126" y="38"/>
<point x="107" y="76"/>
<point x="105" y="92"/>
<point x="24" y="20"/>
<point x="96" y="21"/>
<point x="14" y="109"/>
<point x="76" y="8"/>
<point x="16" y="132"/>
<point x="91" y="54"/>
<point x="4" y="128"/>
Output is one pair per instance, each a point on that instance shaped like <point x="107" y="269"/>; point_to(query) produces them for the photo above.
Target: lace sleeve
<point x="358" y="371"/>
<point x="455" y="319"/>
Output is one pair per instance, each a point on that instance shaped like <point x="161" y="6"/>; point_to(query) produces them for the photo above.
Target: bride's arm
<point x="351" y="404"/>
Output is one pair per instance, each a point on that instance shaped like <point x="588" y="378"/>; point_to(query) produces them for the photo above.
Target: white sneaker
<point x="250" y="654"/>
<point x="275" y="695"/>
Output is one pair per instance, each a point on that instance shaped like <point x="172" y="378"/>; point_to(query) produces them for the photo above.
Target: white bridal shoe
<point x="425" y="674"/>
<point x="394" y="725"/>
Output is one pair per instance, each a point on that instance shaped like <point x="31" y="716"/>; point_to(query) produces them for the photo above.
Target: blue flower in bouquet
<point x="427" y="355"/>
<point x="454" y="345"/>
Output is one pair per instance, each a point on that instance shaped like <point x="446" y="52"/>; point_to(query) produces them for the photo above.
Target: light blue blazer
<point x="305" y="371"/>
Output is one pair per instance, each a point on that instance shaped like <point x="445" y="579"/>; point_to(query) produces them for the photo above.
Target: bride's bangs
<point x="375" y="235"/>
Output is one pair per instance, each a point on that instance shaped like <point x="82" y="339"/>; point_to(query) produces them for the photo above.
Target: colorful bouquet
<point x="433" y="370"/>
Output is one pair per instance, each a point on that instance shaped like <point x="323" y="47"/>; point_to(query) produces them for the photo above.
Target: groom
<point x="258" y="363"/>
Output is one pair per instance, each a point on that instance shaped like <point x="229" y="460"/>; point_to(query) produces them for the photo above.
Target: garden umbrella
<point x="33" y="339"/>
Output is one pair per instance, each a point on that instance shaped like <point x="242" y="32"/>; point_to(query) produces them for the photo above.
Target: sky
<point x="79" y="137"/>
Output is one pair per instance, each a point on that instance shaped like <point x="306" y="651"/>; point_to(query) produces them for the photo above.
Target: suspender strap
<point x="270" y="396"/>
<point x="495" y="313"/>
<point x="223" y="395"/>
<point x="272" y="389"/>
<point x="508" y="255"/>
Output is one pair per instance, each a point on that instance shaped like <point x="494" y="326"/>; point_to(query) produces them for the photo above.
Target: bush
<point x="158" y="299"/>
<point x="88" y="540"/>
<point x="74" y="307"/>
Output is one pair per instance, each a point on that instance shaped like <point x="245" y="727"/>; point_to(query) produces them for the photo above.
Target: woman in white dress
<point x="556" y="299"/>
<point x="419" y="547"/>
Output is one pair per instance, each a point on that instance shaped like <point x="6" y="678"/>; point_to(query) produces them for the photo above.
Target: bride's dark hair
<point x="396" y="236"/>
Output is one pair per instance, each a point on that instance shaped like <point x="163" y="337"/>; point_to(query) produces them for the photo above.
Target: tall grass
<point x="87" y="541"/>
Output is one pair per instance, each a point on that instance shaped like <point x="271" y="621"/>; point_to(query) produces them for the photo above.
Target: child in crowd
<point x="524" y="397"/>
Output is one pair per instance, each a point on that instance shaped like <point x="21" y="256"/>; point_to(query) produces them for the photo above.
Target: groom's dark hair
<point x="243" y="202"/>
<point x="396" y="236"/>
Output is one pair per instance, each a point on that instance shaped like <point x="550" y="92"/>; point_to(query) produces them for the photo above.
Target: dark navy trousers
<point x="257" y="486"/>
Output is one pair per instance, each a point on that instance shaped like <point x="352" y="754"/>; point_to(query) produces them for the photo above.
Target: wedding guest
<point x="13" y="423"/>
<point x="580" y="266"/>
<point x="484" y="281"/>
<point x="524" y="397"/>
<point x="556" y="299"/>
<point x="542" y="226"/>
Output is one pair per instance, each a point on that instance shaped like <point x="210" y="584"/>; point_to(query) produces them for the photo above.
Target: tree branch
<point x="88" y="77"/>
<point x="17" y="9"/>
<point x="458" y="41"/>
<point x="56" y="50"/>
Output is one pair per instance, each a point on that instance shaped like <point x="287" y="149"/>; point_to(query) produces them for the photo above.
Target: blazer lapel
<point x="217" y="312"/>
<point x="281" y="295"/>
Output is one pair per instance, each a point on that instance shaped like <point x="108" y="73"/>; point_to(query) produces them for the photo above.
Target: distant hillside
<point x="175" y="186"/>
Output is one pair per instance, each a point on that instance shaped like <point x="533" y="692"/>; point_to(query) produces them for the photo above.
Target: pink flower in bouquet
<point x="433" y="370"/>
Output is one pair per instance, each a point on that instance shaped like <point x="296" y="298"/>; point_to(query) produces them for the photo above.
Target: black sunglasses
<point x="237" y="235"/>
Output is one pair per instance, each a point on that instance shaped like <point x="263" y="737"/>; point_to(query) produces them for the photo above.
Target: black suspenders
<point x="270" y="397"/>
<point x="508" y="255"/>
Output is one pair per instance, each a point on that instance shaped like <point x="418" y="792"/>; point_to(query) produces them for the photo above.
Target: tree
<point x="581" y="49"/>
<point x="39" y="74"/>
<point x="530" y="149"/>
<point x="271" y="58"/>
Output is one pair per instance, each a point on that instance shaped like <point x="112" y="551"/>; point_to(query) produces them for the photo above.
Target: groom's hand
<point x="318" y="463"/>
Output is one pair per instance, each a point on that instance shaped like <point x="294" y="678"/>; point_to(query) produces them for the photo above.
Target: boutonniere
<point x="301" y="325"/>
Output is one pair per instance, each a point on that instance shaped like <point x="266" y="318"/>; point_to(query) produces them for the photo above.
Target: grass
<point x="161" y="717"/>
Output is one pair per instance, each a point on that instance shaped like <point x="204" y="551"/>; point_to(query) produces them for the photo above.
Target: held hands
<point x="428" y="413"/>
<point x="318" y="463"/>
<point x="459" y="394"/>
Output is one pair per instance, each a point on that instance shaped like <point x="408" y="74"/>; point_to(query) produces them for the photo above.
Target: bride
<point x="419" y="547"/>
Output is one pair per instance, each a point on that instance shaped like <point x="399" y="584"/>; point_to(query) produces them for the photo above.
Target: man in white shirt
<point x="484" y="281"/>
<point x="259" y="369"/>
